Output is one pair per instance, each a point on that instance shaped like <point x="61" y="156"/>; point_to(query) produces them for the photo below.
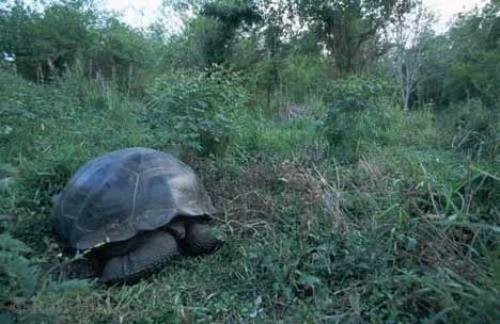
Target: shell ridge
<point x="135" y="178"/>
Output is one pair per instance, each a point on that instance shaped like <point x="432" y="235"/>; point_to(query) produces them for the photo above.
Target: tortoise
<point x="133" y="210"/>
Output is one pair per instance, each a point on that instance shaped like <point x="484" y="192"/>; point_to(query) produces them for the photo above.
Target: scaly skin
<point x="199" y="240"/>
<point x="129" y="261"/>
<point x="148" y="257"/>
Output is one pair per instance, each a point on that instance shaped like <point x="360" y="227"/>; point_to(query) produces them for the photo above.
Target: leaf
<point x="69" y="285"/>
<point x="307" y="279"/>
<point x="10" y="244"/>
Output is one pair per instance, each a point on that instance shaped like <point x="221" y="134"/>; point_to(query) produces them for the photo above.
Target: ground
<point x="397" y="223"/>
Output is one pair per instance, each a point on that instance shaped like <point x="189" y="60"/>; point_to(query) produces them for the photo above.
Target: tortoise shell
<point x="122" y="193"/>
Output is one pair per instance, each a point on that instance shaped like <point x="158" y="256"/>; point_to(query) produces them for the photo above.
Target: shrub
<point x="355" y="93"/>
<point x="196" y="112"/>
<point x="473" y="129"/>
<point x="259" y="135"/>
<point x="350" y="133"/>
<point x="18" y="275"/>
<point x="420" y="129"/>
<point x="359" y="116"/>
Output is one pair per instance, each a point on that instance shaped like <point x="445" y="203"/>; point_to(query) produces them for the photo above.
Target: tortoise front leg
<point x="149" y="256"/>
<point x="199" y="240"/>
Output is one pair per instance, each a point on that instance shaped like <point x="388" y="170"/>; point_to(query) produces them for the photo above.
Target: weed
<point x="385" y="223"/>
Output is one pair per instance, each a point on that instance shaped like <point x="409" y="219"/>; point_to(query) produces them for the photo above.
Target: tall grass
<point x="404" y="229"/>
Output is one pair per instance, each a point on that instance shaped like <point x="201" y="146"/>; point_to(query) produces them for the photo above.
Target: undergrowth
<point x="375" y="215"/>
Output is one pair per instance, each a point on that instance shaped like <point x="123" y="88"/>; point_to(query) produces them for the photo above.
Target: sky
<point x="142" y="13"/>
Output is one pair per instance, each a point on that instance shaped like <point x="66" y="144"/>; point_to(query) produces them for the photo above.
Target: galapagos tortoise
<point x="134" y="209"/>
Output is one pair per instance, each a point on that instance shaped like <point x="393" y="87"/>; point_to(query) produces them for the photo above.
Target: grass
<point x="405" y="230"/>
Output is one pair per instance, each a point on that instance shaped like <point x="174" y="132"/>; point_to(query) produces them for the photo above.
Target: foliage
<point x="123" y="55"/>
<point x="21" y="277"/>
<point x="18" y="275"/>
<point x="46" y="44"/>
<point x="197" y="112"/>
<point x="355" y="93"/>
<point x="259" y="135"/>
<point x="359" y="114"/>
<point x="463" y="64"/>
<point x="352" y="210"/>
<point x="410" y="32"/>
<point x="474" y="129"/>
<point x="303" y="77"/>
<point x="218" y="25"/>
<point x="349" y="29"/>
<point x="475" y="44"/>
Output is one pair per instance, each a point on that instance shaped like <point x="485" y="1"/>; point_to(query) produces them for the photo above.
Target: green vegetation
<point x="340" y="199"/>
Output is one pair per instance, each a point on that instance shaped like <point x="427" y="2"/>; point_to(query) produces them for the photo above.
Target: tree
<point x="273" y="32"/>
<point x="349" y="27"/>
<point x="220" y="22"/>
<point x="74" y="33"/>
<point x="45" y="43"/>
<point x="474" y="40"/>
<point x="121" y="54"/>
<point x="410" y="31"/>
<point x="464" y="62"/>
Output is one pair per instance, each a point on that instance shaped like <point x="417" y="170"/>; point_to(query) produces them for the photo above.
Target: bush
<point x="473" y="129"/>
<point x="354" y="130"/>
<point x="420" y="129"/>
<point x="360" y="116"/>
<point x="354" y="93"/>
<point x="80" y="115"/>
<point x="294" y="79"/>
<point x="258" y="135"/>
<point x="196" y="112"/>
<point x="18" y="275"/>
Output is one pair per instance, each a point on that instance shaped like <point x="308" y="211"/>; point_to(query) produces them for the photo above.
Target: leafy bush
<point x="294" y="79"/>
<point x="77" y="113"/>
<point x="360" y="115"/>
<point x="355" y="93"/>
<point x="473" y="129"/>
<point x="18" y="275"/>
<point x="257" y="135"/>
<point x="22" y="278"/>
<point x="197" y="112"/>
<point x="420" y="129"/>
